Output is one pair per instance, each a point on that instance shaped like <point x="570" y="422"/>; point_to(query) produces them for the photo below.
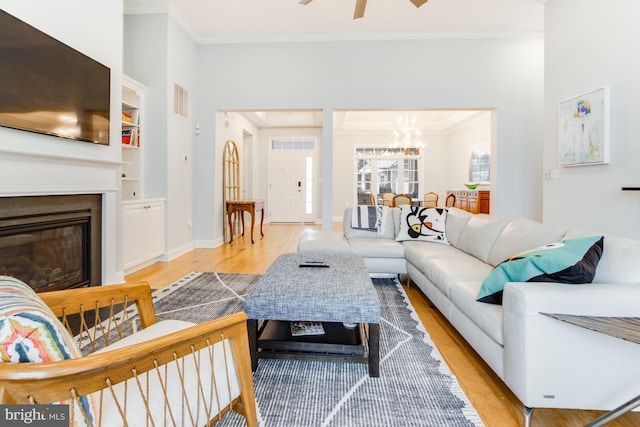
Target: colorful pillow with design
<point x="571" y="261"/>
<point x="422" y="224"/>
<point x="31" y="333"/>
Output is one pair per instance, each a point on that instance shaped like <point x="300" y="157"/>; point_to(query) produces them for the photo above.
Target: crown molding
<point x="368" y="37"/>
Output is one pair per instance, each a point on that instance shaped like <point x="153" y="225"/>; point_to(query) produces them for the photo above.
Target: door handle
<point x="299" y="183"/>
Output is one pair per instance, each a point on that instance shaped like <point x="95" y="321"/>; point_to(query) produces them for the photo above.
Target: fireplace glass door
<point x="49" y="255"/>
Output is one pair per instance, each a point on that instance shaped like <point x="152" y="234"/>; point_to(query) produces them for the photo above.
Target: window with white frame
<point x="479" y="166"/>
<point x="382" y="170"/>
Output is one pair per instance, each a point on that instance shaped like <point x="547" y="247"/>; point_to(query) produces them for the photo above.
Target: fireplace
<point x="52" y="242"/>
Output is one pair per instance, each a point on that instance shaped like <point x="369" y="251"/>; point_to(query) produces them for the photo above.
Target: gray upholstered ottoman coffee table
<point x="341" y="296"/>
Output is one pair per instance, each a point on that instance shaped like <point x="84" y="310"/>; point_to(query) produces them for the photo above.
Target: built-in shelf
<point x="630" y="188"/>
<point x="132" y="144"/>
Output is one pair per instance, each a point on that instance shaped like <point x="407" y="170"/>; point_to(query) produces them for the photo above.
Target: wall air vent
<point x="180" y="101"/>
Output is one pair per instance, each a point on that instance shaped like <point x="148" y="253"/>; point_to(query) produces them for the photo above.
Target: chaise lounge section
<point x="545" y="362"/>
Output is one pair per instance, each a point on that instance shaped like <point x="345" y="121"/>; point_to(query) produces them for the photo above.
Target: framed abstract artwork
<point x="583" y="137"/>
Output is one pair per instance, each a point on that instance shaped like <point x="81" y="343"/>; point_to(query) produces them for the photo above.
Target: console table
<point x="626" y="328"/>
<point x="241" y="206"/>
<point x="474" y="201"/>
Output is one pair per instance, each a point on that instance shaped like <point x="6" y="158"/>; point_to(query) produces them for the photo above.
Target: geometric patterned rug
<point x="415" y="387"/>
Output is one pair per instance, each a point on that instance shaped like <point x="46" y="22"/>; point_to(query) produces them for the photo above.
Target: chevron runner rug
<point x="415" y="387"/>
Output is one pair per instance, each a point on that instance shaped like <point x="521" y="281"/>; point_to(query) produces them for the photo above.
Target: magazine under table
<point x="339" y="343"/>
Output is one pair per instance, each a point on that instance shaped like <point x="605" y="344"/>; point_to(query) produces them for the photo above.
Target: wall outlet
<point x="552" y="173"/>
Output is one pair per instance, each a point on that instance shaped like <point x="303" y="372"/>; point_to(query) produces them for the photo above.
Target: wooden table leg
<point x="229" y="214"/>
<point x="253" y="214"/>
<point x="374" y="349"/>
<point x="252" y="328"/>
<point x="261" y="221"/>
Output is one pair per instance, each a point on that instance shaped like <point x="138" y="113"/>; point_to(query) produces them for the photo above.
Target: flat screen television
<point x="50" y="88"/>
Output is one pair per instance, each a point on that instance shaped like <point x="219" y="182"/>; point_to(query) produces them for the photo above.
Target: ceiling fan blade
<point x="418" y="3"/>
<point x="305" y="2"/>
<point x="359" y="12"/>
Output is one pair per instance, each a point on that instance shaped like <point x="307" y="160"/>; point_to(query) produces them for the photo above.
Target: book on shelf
<point x="130" y="137"/>
<point x="134" y="137"/>
<point x="127" y="117"/>
<point x="126" y="136"/>
<point x="302" y="328"/>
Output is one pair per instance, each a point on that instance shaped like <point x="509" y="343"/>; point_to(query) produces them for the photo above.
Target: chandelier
<point x="407" y="137"/>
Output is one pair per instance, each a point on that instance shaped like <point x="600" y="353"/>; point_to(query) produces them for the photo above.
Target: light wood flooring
<point x="496" y="405"/>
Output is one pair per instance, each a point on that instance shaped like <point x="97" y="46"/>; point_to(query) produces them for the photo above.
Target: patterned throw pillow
<point x="571" y="261"/>
<point x="31" y="333"/>
<point x="422" y="224"/>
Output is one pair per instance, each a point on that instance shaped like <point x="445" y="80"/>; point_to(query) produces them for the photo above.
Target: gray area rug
<point x="415" y="387"/>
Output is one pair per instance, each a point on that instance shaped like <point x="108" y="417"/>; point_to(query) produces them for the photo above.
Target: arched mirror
<point x="231" y="181"/>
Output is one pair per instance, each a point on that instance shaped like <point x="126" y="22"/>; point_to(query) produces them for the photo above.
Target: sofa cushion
<point x="521" y="234"/>
<point x="387" y="229"/>
<point x="456" y="220"/>
<point x="443" y="272"/>
<point x="479" y="234"/>
<point x="417" y="252"/>
<point x="376" y="248"/>
<point x="322" y="241"/>
<point x="423" y="224"/>
<point x="488" y="317"/>
<point x="619" y="262"/>
<point x="571" y="261"/>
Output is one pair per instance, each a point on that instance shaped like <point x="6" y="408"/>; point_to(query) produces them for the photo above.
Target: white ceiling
<point x="226" y="21"/>
<point x="222" y="21"/>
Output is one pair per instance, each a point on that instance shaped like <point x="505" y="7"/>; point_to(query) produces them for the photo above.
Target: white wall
<point x="182" y="52"/>
<point x="473" y="134"/>
<point x="503" y="74"/>
<point x="589" y="44"/>
<point x="34" y="164"/>
<point x="146" y="60"/>
<point x="158" y="52"/>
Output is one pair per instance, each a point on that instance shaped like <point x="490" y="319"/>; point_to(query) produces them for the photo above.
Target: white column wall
<point x="588" y="46"/>
<point x="505" y="75"/>
<point x="35" y="164"/>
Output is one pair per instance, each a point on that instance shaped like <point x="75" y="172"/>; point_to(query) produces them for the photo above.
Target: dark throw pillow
<point x="571" y="261"/>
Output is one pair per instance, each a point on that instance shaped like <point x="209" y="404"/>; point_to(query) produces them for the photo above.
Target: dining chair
<point x="402" y="199"/>
<point x="430" y="200"/>
<point x="387" y="199"/>
<point x="372" y="199"/>
<point x="450" y="201"/>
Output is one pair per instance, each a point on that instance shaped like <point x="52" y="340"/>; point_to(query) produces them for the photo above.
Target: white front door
<point x="291" y="185"/>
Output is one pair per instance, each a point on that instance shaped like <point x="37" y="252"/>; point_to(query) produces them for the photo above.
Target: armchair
<point x="168" y="373"/>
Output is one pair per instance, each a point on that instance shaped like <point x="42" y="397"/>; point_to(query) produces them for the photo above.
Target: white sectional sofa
<point x="545" y="362"/>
